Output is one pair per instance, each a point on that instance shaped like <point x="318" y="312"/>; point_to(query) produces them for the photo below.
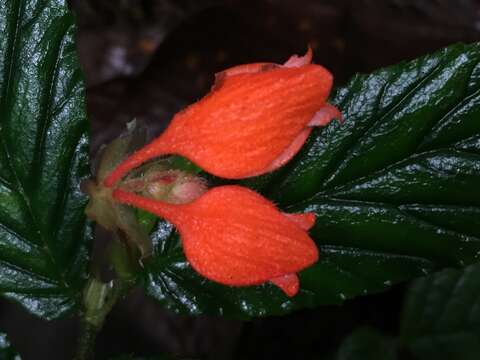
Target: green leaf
<point x="441" y="317"/>
<point x="341" y="274"/>
<point x="395" y="190"/>
<point x="43" y="157"/>
<point x="367" y="344"/>
<point x="7" y="352"/>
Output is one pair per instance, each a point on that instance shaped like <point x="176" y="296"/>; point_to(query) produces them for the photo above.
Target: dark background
<point x="147" y="59"/>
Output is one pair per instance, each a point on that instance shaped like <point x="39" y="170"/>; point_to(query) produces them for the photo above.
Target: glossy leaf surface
<point x="43" y="157"/>
<point x="394" y="187"/>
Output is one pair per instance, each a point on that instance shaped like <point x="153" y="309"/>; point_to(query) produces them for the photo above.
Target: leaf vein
<point x="350" y="149"/>
<point x="12" y="55"/>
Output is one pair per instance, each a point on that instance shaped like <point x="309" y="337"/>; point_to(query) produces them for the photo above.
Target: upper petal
<point x="249" y="119"/>
<point x="297" y="61"/>
<point x="240" y="129"/>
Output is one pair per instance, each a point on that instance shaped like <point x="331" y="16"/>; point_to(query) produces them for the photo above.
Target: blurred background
<point x="147" y="59"/>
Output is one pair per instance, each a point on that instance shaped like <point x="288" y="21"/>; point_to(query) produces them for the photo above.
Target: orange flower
<point x="255" y="119"/>
<point x="236" y="237"/>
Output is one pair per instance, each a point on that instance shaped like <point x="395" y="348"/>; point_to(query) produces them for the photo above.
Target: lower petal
<point x="289" y="152"/>
<point x="326" y="114"/>
<point x="304" y="221"/>
<point x="298" y="61"/>
<point x="322" y="117"/>
<point x="288" y="283"/>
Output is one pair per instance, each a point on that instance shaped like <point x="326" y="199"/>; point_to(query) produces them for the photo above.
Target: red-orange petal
<point x="326" y="113"/>
<point x="234" y="236"/>
<point x="297" y="61"/>
<point x="305" y="221"/>
<point x="290" y="284"/>
<point x="249" y="120"/>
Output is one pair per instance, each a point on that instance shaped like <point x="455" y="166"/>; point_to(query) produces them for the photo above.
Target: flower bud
<point x="174" y="186"/>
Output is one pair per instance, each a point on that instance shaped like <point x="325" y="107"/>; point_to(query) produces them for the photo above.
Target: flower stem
<point x="99" y="298"/>
<point x="86" y="341"/>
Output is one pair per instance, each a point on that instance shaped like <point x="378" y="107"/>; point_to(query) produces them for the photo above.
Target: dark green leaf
<point x="441" y="318"/>
<point x="44" y="155"/>
<point x="367" y="344"/>
<point x="342" y="273"/>
<point x="7" y="352"/>
<point x="395" y="190"/>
